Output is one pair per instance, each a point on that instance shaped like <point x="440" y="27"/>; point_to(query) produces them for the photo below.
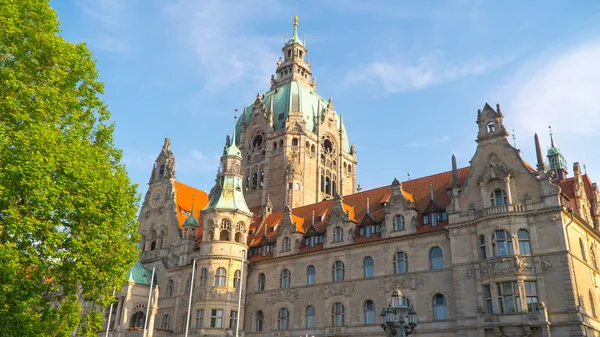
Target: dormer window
<point x="369" y="231"/>
<point x="314" y="240"/>
<point x="498" y="198"/>
<point x="285" y="245"/>
<point x="434" y="219"/>
<point x="491" y="127"/>
<point x="338" y="234"/>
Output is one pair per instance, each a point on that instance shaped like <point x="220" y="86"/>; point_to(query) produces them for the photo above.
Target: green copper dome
<point x="293" y="96"/>
<point x="139" y="274"/>
<point x="227" y="195"/>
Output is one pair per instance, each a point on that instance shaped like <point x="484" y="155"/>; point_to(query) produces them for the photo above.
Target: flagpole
<point x="237" y="321"/>
<point x="110" y="312"/>
<point x="187" y="321"/>
<point x="149" y="297"/>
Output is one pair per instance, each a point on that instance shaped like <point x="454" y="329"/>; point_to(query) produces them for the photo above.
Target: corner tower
<point x="293" y="143"/>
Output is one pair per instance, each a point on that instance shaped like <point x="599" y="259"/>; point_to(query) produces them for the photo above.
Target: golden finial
<point x="296" y="19"/>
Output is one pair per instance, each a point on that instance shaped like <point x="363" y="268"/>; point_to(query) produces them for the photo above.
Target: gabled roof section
<point x="418" y="191"/>
<point x="184" y="195"/>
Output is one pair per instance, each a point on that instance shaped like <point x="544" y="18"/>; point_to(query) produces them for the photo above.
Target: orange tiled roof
<point x="355" y="205"/>
<point x="184" y="195"/>
<point x="567" y="188"/>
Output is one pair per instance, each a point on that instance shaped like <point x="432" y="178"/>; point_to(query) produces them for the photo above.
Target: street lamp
<point x="399" y="316"/>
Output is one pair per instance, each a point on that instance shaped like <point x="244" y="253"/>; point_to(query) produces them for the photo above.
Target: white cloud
<point x="396" y="76"/>
<point x="227" y="52"/>
<point x="560" y="89"/>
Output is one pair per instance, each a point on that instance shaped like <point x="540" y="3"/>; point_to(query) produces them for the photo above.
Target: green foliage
<point x="67" y="207"/>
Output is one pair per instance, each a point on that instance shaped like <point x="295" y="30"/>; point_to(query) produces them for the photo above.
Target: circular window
<point x="257" y="141"/>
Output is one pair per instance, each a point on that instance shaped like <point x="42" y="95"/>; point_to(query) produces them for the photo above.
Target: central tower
<point x="294" y="146"/>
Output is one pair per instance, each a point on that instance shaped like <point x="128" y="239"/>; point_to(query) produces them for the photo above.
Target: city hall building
<point x="499" y="248"/>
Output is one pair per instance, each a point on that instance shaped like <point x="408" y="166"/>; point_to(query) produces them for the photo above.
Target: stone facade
<point x="499" y="248"/>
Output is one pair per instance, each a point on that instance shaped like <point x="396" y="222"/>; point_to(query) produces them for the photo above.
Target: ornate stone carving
<point x="548" y="264"/>
<point x="404" y="282"/>
<point x="347" y="289"/>
<point x="283" y="296"/>
<point x="503" y="266"/>
<point x="470" y="272"/>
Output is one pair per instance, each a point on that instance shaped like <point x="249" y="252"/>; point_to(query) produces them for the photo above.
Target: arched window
<point x="262" y="279"/>
<point x="524" y="245"/>
<point x="285" y="244"/>
<point x="284" y="280"/>
<point x="238" y="237"/>
<point x="440" y="311"/>
<point x="224" y="235"/>
<point x="170" y="288"/>
<point x="260" y="319"/>
<point x="262" y="179"/>
<point x="400" y="263"/>
<point x="162" y="170"/>
<point x="369" y="312"/>
<point x="188" y="284"/>
<point x="165" y="322"/>
<point x="311" y="274"/>
<point x="310" y="317"/>
<point x="204" y="277"/>
<point x="337" y="315"/>
<point x="498" y="198"/>
<point x="502" y="243"/>
<point x="582" y="248"/>
<point x="254" y="180"/>
<point x="593" y="257"/>
<point x="338" y="271"/>
<point x="368" y="266"/>
<point x="220" y="277"/>
<point x="328" y="185"/>
<point x="482" y="247"/>
<point x="398" y="223"/>
<point x="137" y="320"/>
<point x="436" y="260"/>
<point x="294" y="141"/>
<point x="236" y="279"/>
<point x="282" y="322"/>
<point x="274" y="146"/>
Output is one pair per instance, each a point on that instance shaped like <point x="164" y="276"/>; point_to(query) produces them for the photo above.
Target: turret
<point x="293" y="66"/>
<point x="490" y="124"/>
<point x="557" y="163"/>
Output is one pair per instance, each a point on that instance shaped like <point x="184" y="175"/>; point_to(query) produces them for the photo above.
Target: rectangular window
<point x="508" y="297"/>
<point x="199" y="318"/>
<point x="369" y="231"/>
<point x="216" y="318"/>
<point x="233" y="319"/>
<point x="444" y="216"/>
<point x="531" y="296"/>
<point x="487" y="299"/>
<point x="434" y="221"/>
<point x="377" y="228"/>
<point x="361" y="231"/>
<point x="426" y="219"/>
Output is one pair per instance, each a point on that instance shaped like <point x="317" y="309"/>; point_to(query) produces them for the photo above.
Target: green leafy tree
<point x="67" y="207"/>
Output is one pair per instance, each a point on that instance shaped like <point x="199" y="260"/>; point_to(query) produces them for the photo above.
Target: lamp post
<point x="398" y="319"/>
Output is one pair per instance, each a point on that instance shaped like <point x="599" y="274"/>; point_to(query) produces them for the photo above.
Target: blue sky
<point x="408" y="76"/>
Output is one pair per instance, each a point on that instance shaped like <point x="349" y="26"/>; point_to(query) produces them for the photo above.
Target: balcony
<point x="496" y="210"/>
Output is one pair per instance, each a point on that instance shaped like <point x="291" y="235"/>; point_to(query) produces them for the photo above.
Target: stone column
<point x="118" y="315"/>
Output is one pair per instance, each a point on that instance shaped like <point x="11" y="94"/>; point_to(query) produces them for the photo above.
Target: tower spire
<point x="551" y="136"/>
<point x="454" y="171"/>
<point x="541" y="166"/>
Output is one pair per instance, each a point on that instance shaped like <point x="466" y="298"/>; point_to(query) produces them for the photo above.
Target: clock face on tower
<point x="157" y="196"/>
